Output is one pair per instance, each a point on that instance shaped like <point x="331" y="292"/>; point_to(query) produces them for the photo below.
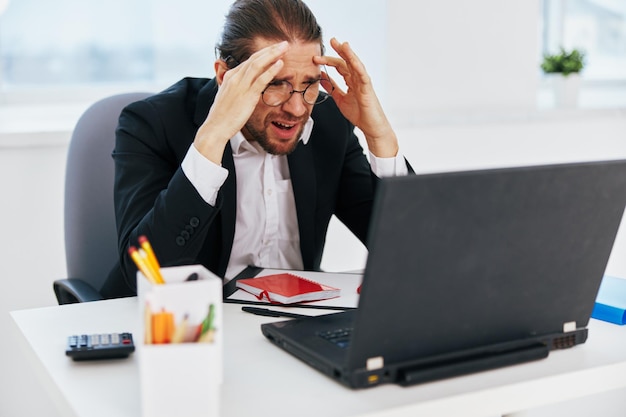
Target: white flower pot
<point x="566" y="90"/>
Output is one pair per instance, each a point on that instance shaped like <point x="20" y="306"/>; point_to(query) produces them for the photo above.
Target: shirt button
<point x="269" y="192"/>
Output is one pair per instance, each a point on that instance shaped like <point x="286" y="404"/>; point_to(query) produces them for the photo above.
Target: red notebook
<point x="287" y="288"/>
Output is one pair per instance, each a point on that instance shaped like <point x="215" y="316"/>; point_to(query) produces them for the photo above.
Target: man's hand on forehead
<point x="359" y="103"/>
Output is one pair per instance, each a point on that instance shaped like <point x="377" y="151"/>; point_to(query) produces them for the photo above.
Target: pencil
<point x="156" y="274"/>
<point x="162" y="327"/>
<point x="206" y="330"/>
<point x="153" y="262"/>
<point x="181" y="330"/>
<point x="141" y="264"/>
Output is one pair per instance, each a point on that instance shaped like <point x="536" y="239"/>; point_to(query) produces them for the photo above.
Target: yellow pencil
<point x="141" y="264"/>
<point x="151" y="257"/>
<point x="154" y="272"/>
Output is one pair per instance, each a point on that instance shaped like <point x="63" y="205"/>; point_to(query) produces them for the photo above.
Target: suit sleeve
<point x="153" y="197"/>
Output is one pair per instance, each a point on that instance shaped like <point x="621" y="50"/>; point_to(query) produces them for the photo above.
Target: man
<point x="248" y="168"/>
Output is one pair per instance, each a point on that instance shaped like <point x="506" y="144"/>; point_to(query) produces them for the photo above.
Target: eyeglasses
<point x="279" y="92"/>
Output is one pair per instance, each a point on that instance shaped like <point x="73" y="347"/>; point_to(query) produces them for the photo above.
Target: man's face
<point x="277" y="129"/>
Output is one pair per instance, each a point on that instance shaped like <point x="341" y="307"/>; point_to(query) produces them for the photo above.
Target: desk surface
<point x="259" y="376"/>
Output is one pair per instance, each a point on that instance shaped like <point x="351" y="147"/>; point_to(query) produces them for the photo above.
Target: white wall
<point x="451" y="57"/>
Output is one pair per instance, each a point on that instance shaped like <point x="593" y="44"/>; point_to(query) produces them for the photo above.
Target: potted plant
<point x="565" y="67"/>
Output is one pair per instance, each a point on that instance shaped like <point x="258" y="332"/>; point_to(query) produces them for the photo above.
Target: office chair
<point x="90" y="230"/>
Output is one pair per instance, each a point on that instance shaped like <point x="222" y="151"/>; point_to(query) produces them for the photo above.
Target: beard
<point x="261" y="133"/>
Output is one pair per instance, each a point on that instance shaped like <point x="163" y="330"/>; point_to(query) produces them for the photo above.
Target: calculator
<point x="100" y="346"/>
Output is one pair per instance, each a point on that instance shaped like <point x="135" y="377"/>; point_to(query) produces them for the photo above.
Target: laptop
<point x="469" y="271"/>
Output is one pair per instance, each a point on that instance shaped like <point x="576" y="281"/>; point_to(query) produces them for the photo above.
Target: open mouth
<point x="283" y="126"/>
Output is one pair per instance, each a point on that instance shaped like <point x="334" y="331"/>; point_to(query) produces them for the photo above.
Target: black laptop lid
<point x="462" y="260"/>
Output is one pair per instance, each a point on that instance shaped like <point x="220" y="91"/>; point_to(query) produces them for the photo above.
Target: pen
<point x="272" y="313"/>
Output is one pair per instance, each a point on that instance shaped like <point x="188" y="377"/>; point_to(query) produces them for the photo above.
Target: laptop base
<point x="429" y="368"/>
<point x="444" y="366"/>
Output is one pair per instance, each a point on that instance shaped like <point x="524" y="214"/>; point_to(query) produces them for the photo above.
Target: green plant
<point x="563" y="62"/>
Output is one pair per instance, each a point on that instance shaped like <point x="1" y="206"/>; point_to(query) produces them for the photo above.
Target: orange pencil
<point x="162" y="327"/>
<point x="151" y="257"/>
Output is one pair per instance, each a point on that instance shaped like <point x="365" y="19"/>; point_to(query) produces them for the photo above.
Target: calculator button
<point x="83" y="340"/>
<point x="115" y="339"/>
<point x="73" y="341"/>
<point x="95" y="339"/>
<point x="105" y="339"/>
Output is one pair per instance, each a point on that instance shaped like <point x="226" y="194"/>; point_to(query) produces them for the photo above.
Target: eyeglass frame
<point x="321" y="97"/>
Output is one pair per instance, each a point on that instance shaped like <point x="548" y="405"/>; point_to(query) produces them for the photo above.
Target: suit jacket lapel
<point x="302" y="170"/>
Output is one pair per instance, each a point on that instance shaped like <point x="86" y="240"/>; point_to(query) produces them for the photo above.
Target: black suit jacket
<point x="330" y="175"/>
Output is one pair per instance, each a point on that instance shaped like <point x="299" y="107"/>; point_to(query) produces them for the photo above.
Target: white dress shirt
<point x="266" y="228"/>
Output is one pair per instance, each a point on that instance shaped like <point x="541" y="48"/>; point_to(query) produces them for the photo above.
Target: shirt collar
<point x="239" y="143"/>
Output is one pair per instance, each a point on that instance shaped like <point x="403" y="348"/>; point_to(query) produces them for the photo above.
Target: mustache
<point x="288" y="118"/>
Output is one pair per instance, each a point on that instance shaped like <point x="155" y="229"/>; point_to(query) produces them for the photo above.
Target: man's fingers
<point x="349" y="66"/>
<point x="264" y="60"/>
<point x="266" y="77"/>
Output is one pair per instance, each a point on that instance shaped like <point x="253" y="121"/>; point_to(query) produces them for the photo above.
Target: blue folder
<point x="611" y="301"/>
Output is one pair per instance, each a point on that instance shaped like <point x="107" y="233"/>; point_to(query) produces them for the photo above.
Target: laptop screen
<point x="462" y="260"/>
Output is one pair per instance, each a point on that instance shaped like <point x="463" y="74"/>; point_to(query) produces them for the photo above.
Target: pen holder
<point x="180" y="348"/>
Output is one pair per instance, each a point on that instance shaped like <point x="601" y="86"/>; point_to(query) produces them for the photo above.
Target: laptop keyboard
<point x="340" y="337"/>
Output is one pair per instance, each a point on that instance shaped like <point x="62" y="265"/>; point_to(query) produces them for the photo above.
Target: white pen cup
<point x="180" y="346"/>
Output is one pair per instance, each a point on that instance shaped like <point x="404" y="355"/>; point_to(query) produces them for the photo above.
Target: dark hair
<point x="278" y="20"/>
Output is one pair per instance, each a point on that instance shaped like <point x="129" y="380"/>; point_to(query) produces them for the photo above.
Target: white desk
<point x="260" y="378"/>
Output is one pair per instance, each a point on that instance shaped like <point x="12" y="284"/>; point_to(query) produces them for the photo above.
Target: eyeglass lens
<point x="280" y="92"/>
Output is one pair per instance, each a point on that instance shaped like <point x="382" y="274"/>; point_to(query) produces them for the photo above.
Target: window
<point x="598" y="27"/>
<point x="86" y="42"/>
<point x="64" y="48"/>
